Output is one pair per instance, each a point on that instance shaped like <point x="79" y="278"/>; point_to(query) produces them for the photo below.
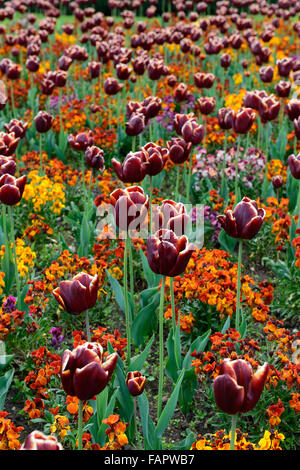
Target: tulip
<point x="8" y="143"/>
<point x="152" y="106"/>
<point x="283" y="89"/>
<point x="130" y="204"/>
<point x="204" y="80"/>
<point x="94" y="157"/>
<point x="293" y="109"/>
<point x="192" y="132"/>
<point x="84" y="374"/>
<point x="36" y="440"/>
<point x="11" y="189"/>
<point x="225" y="60"/>
<point x="81" y="141"/>
<point x="112" y="86"/>
<point x="266" y="74"/>
<point x="43" y="121"/>
<point x="285" y="66"/>
<point x="237" y="389"/>
<point x="60" y="78"/>
<point x="94" y="69"/>
<point x="181" y="93"/>
<point x="297" y="127"/>
<point x="156" y="157"/>
<point x="79" y="294"/>
<point x="245" y="221"/>
<point x="133" y="169"/>
<point x="294" y="165"/>
<point x="243" y="120"/>
<point x="33" y="63"/>
<point x="172" y="215"/>
<point x="277" y="181"/>
<point x="268" y="109"/>
<point x="225" y="117"/>
<point x="179" y="150"/>
<point x="19" y="128"/>
<point x="206" y="105"/>
<point x="135" y="125"/>
<point x="7" y="166"/>
<point x="135" y="382"/>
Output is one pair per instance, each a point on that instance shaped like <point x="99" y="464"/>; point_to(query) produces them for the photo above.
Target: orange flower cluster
<point x="296" y="245"/>
<point x="116" y="433"/>
<point x="221" y="441"/>
<point x="274" y="412"/>
<point x="276" y="167"/>
<point x="38" y="226"/>
<point x="9" y="433"/>
<point x="73" y="404"/>
<point x="186" y="321"/>
<point x="212" y="278"/>
<point x="9" y="321"/>
<point x="100" y="336"/>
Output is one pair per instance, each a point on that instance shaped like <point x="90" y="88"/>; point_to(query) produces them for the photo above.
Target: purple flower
<point x="57" y="337"/>
<point x="10" y="304"/>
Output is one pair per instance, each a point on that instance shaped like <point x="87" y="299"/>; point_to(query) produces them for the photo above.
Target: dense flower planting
<point x="150" y="225"/>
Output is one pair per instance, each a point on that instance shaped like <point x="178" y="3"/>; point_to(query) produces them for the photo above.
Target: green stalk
<point x="238" y="294"/>
<point x="161" y="346"/>
<point x="42" y="172"/>
<point x="224" y="164"/>
<point x="6" y="241"/>
<point x="12" y="99"/>
<point x="131" y="269"/>
<point x="87" y="325"/>
<point x="12" y="234"/>
<point x="174" y="318"/>
<point x="128" y="330"/>
<point x="233" y="430"/>
<point x="177" y="181"/>
<point x="297" y="210"/>
<point x="150" y="202"/>
<point x="236" y="168"/>
<point x="80" y="416"/>
<point x="188" y="185"/>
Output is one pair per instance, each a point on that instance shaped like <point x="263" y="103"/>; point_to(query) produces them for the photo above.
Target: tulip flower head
<point x="168" y="254"/>
<point x="11" y="189"/>
<point x="83" y="372"/>
<point x="179" y="150"/>
<point x="130" y="207"/>
<point x="79" y="294"/>
<point x="237" y="389"/>
<point x="135" y="382"/>
<point x="171" y="215"/>
<point x="294" y="165"/>
<point x="244" y="221"/>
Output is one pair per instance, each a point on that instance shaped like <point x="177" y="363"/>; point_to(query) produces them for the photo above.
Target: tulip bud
<point x="181" y="93"/>
<point x="293" y="109"/>
<point x="285" y="66"/>
<point x="79" y="294"/>
<point x="43" y="121"/>
<point x="130" y="204"/>
<point x="135" y="382"/>
<point x="206" y="104"/>
<point x="225" y="116"/>
<point x="266" y="74"/>
<point x="237" y="389"/>
<point x="60" y="78"/>
<point x="168" y="254"/>
<point x="94" y="69"/>
<point x="244" y="221"/>
<point x="94" y="157"/>
<point x="39" y="441"/>
<point x="11" y="189"/>
<point x="64" y="62"/>
<point x="112" y="86"/>
<point x="83" y="372"/>
<point x="135" y="125"/>
<point x="225" y="61"/>
<point x="33" y="63"/>
<point x="277" y="181"/>
<point x="81" y="141"/>
<point x="294" y="164"/>
<point x="152" y="106"/>
<point x="283" y="89"/>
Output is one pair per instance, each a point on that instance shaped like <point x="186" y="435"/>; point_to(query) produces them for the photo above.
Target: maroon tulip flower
<point x="133" y="169"/>
<point x="112" y="86"/>
<point x="11" y="189"/>
<point x="135" y="382"/>
<point x="171" y="215"/>
<point x="225" y="117"/>
<point x="39" y="441"/>
<point x="94" y="69"/>
<point x="243" y="120"/>
<point x="135" y="125"/>
<point x="204" y="80"/>
<point x="181" y="93"/>
<point x="285" y="66"/>
<point x="244" y="221"/>
<point x="7" y="166"/>
<point x="155" y="69"/>
<point x="94" y="157"/>
<point x="180" y="120"/>
<point x="130" y="205"/>
<point x="179" y="150"/>
<point x="294" y="164"/>
<point x="19" y="128"/>
<point x="277" y="181"/>
<point x="266" y="73"/>
<point x="237" y="389"/>
<point x="206" y="104"/>
<point x="168" y="254"/>
<point x="156" y="158"/>
<point x="8" y="143"/>
<point x="293" y="109"/>
<point x="81" y="141"/>
<point x="43" y="121"/>
<point x="225" y="61"/>
<point x="152" y="106"/>
<point x="83" y="372"/>
<point x="193" y="132"/>
<point x="79" y="294"/>
<point x="33" y="63"/>
<point x="297" y="127"/>
<point x="252" y="99"/>
<point x="268" y="109"/>
<point x="283" y="89"/>
<point x="64" y="62"/>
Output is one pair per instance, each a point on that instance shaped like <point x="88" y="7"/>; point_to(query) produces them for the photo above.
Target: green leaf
<point x="138" y="362"/>
<point x="169" y="409"/>
<point x="151" y="277"/>
<point x="227" y="243"/>
<point x="5" y="382"/>
<point x="145" y="321"/>
<point x="198" y="345"/>
<point x="226" y="325"/>
<point x="151" y="442"/>
<point x="5" y="360"/>
<point x="119" y="294"/>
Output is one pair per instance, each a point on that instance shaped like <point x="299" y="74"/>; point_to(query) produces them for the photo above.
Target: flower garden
<point x="150" y="225"/>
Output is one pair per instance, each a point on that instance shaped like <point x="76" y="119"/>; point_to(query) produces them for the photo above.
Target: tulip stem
<point x="41" y="155"/>
<point x="6" y="241"/>
<point x="238" y="294"/>
<point x="224" y="166"/>
<point x="150" y="202"/>
<point x="297" y="210"/>
<point x="12" y="99"/>
<point x="177" y="182"/>
<point x="188" y="185"/>
<point x="79" y="436"/>
<point x="131" y="268"/>
<point x="236" y="169"/>
<point x="161" y="346"/>
<point x="176" y="347"/>
<point x="12" y="233"/>
<point x="87" y="325"/>
<point x="128" y="332"/>
<point x="233" y="430"/>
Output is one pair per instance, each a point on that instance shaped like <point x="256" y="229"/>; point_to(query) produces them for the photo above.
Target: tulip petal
<point x="255" y="388"/>
<point x="229" y="395"/>
<point x="89" y="381"/>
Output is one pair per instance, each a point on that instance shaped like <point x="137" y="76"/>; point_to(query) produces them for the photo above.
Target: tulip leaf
<point x="227" y="243"/>
<point x="119" y="293"/>
<point x="151" y="277"/>
<point x="138" y="362"/>
<point x="145" y="321"/>
<point x="146" y="295"/>
<point x="187" y="390"/>
<point x="125" y="400"/>
<point x="199" y="344"/>
<point x="187" y="442"/>
<point x="5" y="382"/>
<point x="149" y="434"/>
<point x="5" y="360"/>
<point x="226" y="325"/>
<point x="169" y="409"/>
<point x="171" y="366"/>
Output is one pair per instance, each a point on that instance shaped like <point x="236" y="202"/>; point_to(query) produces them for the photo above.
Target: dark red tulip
<point x="204" y="80"/>
<point x="60" y="78"/>
<point x="123" y="71"/>
<point x="135" y="125"/>
<point x="297" y="127"/>
<point x="283" y="89"/>
<point x="179" y="150"/>
<point x="19" y="128"/>
<point x="11" y="189"/>
<point x="43" y="122"/>
<point x="7" y="166"/>
<point x="13" y="71"/>
<point x="64" y="62"/>
<point x="237" y="389"/>
<point x="156" y="157"/>
<point x="243" y="120"/>
<point x="225" y="117"/>
<point x="268" y="109"/>
<point x="252" y="99"/>
<point x="285" y="66"/>
<point x="266" y="73"/>
<point x="180" y="120"/>
<point x="293" y="109"/>
<point x="83" y="372"/>
<point x="94" y="69"/>
<point x="225" y="61"/>
<point x="135" y="382"/>
<point x="130" y="205"/>
<point x="277" y="181"/>
<point x="193" y="132"/>
<point x="94" y="157"/>
<point x="181" y="93"/>
<point x="155" y="69"/>
<point x="33" y="63"/>
<point x="79" y="294"/>
<point x="244" y="221"/>
<point x="152" y="106"/>
<point x="8" y="143"/>
<point x="112" y="86"/>
<point x="47" y="86"/>
<point x="36" y="440"/>
<point x="81" y="141"/>
<point x="133" y="169"/>
<point x="171" y="215"/>
<point x="294" y="164"/>
<point x="206" y="104"/>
